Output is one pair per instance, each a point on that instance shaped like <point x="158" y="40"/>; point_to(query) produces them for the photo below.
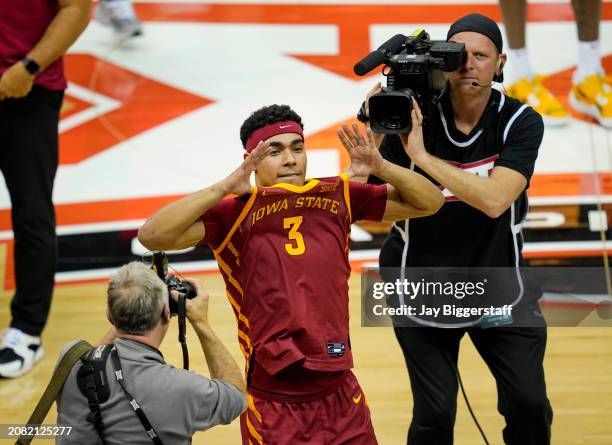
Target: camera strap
<point x="160" y="267"/>
<point x="91" y="380"/>
<point x="182" y="329"/>
<point x="133" y="402"/>
<point x="61" y="373"/>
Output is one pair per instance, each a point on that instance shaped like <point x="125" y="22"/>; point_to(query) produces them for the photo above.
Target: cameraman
<point x="480" y="146"/>
<point x="176" y="402"/>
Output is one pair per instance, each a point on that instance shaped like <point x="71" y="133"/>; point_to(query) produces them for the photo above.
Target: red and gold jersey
<point x="283" y="253"/>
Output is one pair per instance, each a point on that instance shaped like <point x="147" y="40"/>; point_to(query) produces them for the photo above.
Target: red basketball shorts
<point x="340" y="417"/>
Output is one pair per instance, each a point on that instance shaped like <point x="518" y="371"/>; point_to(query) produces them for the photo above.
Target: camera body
<point x="182" y="287"/>
<point x="160" y="267"/>
<point x="414" y="67"/>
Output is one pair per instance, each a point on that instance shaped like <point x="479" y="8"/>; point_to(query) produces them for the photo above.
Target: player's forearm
<point x="62" y="32"/>
<point x="476" y="191"/>
<point x="220" y="363"/>
<point x="414" y="189"/>
<point x="162" y="229"/>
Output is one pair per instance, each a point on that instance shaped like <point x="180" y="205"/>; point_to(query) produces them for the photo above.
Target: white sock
<point x="589" y="61"/>
<point x="518" y="58"/>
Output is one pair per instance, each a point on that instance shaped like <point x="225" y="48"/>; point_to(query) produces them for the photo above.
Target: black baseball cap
<point x="483" y="25"/>
<point x="480" y="24"/>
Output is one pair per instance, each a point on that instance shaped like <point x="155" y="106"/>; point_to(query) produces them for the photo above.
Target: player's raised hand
<point x="365" y="157"/>
<point x="238" y="182"/>
<point x="413" y="142"/>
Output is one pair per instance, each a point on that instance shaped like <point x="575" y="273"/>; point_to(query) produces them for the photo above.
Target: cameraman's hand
<point x="413" y="142"/>
<point x="365" y="156"/>
<point x="196" y="308"/>
<point x="377" y="89"/>
<point x="238" y="182"/>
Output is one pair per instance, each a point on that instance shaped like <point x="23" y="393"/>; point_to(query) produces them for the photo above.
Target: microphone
<point x="476" y="84"/>
<point x="375" y="58"/>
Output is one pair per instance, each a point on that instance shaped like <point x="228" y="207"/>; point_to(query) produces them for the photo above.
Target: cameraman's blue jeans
<point x="514" y="356"/>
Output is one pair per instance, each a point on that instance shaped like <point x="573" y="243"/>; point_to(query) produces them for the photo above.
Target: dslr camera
<point x="160" y="267"/>
<point x="414" y="67"/>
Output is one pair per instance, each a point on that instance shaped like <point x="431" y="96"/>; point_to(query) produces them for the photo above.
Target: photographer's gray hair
<point x="136" y="297"/>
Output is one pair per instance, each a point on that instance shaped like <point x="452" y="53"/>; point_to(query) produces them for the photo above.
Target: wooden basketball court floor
<point x="578" y="371"/>
<point x="176" y="90"/>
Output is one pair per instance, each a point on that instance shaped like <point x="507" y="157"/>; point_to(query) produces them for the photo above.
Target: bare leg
<point x="588" y="16"/>
<point x="589" y="82"/>
<point x="524" y="84"/>
<point x="514" y="13"/>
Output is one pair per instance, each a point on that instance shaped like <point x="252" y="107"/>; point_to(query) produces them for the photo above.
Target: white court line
<point x="587" y="299"/>
<point x="564" y="246"/>
<point x="183" y="267"/>
<point x="96" y="274"/>
<point x="370" y="255"/>
<point x="575" y="199"/>
<point x="77" y="229"/>
<point x="100" y="104"/>
<point x="340" y="2"/>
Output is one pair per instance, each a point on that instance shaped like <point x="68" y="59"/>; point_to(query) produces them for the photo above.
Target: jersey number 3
<point x="296" y="247"/>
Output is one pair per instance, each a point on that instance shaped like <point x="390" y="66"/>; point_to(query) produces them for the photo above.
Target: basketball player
<point x="282" y="248"/>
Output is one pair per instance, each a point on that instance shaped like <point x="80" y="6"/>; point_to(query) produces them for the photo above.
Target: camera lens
<point x="390" y="112"/>
<point x="397" y="113"/>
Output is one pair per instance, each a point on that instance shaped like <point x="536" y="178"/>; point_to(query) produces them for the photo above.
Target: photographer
<point x="480" y="146"/>
<point x="176" y="402"/>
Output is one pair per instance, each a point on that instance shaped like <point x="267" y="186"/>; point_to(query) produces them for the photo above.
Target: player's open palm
<point x="413" y="142"/>
<point x="365" y="157"/>
<point x="238" y="182"/>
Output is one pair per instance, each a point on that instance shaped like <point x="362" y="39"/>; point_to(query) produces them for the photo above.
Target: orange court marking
<point x="565" y="184"/>
<point x="353" y="21"/>
<point x="145" y="104"/>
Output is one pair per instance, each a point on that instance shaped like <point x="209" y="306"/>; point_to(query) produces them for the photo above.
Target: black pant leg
<point x="29" y="163"/>
<point x="431" y="357"/>
<point x="515" y="356"/>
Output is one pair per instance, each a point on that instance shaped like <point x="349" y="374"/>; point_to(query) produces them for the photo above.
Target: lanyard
<point x="133" y="402"/>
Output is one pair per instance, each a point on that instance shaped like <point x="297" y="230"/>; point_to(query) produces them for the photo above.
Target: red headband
<point x="263" y="133"/>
